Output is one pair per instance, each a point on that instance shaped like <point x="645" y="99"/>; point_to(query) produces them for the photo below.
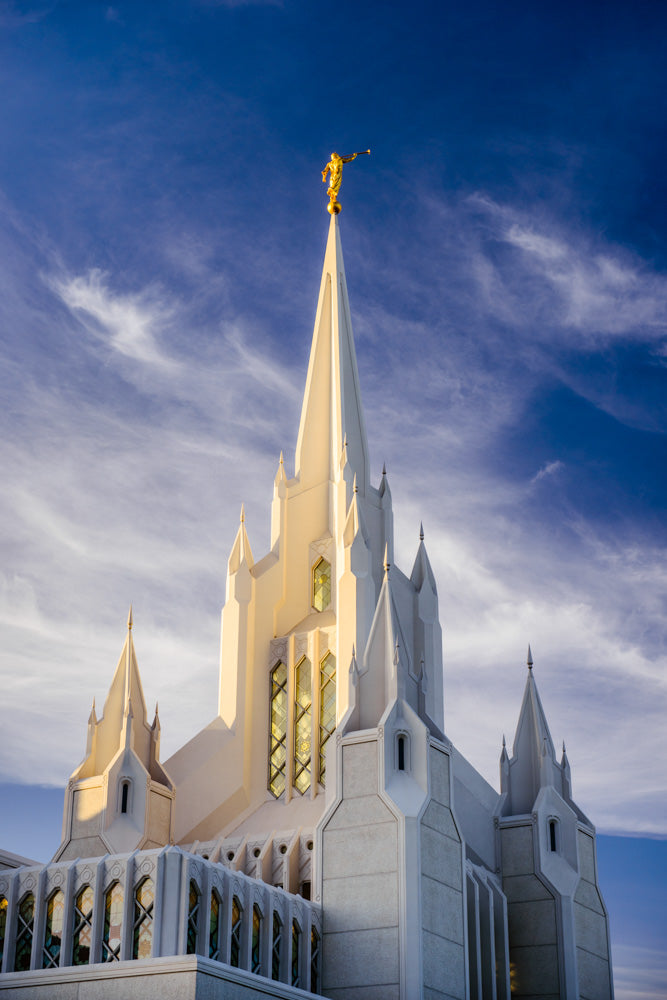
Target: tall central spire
<point x="332" y="415"/>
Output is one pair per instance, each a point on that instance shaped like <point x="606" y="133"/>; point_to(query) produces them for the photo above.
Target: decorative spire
<point x="529" y="659"/>
<point x="129" y="619"/>
<point x="242" y="514"/>
<point x="421" y="531"/>
<point x="386" y="564"/>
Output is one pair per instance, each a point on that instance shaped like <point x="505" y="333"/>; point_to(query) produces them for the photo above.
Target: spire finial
<point x="386" y="563"/>
<point x="129" y="619"/>
<point x="504" y="742"/>
<point x="529" y="658"/>
<point x="421" y="531"/>
<point x="335" y="165"/>
<point x="242" y="513"/>
<point x="282" y="460"/>
<point x="384" y="468"/>
<point x="355" y="488"/>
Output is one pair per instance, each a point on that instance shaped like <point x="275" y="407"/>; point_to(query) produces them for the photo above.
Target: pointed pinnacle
<point x="129" y="619"/>
<point x="421" y="531"/>
<point x="384" y="468"/>
<point x="355" y="488"/>
<point x="386" y="564"/>
<point x="529" y="660"/>
<point x="282" y="460"/>
<point x="242" y="513"/>
<point x="504" y="742"/>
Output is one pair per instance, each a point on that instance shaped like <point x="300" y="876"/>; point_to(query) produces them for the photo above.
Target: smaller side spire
<point x="421" y="531"/>
<point x="529" y="659"/>
<point x="129" y="619"/>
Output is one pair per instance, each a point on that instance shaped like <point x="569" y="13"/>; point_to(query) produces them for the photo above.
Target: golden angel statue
<point x="335" y="165"/>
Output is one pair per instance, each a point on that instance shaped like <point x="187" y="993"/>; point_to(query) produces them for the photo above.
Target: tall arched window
<point x="276" y="946"/>
<point x="327" y="705"/>
<point x="321" y="585"/>
<point x="144" y="899"/>
<point x="125" y="795"/>
<point x="256" y="953"/>
<point x="53" y="930"/>
<point x="235" y="936"/>
<point x="3" y="926"/>
<point x="278" y="744"/>
<point x="214" y="927"/>
<point x="296" y="954"/>
<point x="314" y="961"/>
<point x="302" y="725"/>
<point x="113" y="923"/>
<point x="553" y="835"/>
<point x="82" y="930"/>
<point x="25" y="923"/>
<point x="194" y="908"/>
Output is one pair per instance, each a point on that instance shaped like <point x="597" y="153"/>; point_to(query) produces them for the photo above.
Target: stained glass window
<point x="327" y="705"/>
<point x="25" y="921"/>
<point x="276" y="946"/>
<point x="278" y="748"/>
<point x="321" y="585"/>
<point x="82" y="931"/>
<point x="3" y="926"/>
<point x="53" y="930"/>
<point x="235" y="942"/>
<point x="193" y="917"/>
<point x="314" y="961"/>
<point x="144" y="900"/>
<point x="256" y="959"/>
<point x="302" y="725"/>
<point x="296" y="954"/>
<point x="214" y="927"/>
<point x="113" y="923"/>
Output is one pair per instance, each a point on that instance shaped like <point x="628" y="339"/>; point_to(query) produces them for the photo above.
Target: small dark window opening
<point x="125" y="791"/>
<point x="305" y="890"/>
<point x="552" y="835"/>
<point x="401" y="753"/>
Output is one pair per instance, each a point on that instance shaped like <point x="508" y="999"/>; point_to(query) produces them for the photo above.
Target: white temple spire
<point x="332" y="417"/>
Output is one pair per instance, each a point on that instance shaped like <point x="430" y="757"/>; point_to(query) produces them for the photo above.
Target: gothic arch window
<point x="402" y="752"/>
<point x="144" y="900"/>
<point x="82" y="929"/>
<point x="321" y="586"/>
<point x="327" y="705"/>
<point x="314" y="961"/>
<point x="125" y="795"/>
<point x="256" y="953"/>
<point x="113" y="923"/>
<point x="53" y="930"/>
<point x="278" y="740"/>
<point x="194" y="909"/>
<point x="235" y="936"/>
<point x="3" y="927"/>
<point x="276" y="946"/>
<point x="554" y="835"/>
<point x="296" y="954"/>
<point x="302" y="724"/>
<point x="25" y="923"/>
<point x="215" y="926"/>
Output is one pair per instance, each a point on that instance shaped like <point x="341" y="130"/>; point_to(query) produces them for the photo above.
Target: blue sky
<point x="162" y="228"/>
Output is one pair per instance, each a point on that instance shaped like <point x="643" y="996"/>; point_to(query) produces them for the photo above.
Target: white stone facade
<point x="322" y="833"/>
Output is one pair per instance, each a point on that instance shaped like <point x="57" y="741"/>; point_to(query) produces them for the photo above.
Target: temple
<point x="321" y="835"/>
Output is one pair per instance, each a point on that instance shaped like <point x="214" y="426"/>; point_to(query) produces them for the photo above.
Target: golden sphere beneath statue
<point x="333" y="208"/>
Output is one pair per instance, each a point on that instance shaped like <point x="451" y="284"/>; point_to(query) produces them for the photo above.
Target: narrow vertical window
<point x="276" y="946"/>
<point x="553" y="835"/>
<point x="321" y="585"/>
<point x="327" y="705"/>
<point x="25" y="922"/>
<point x="3" y="927"/>
<point x="144" y="899"/>
<point x="113" y="923"/>
<point x="235" y="937"/>
<point x="302" y="726"/>
<point x="193" y="917"/>
<point x="296" y="954"/>
<point x="214" y="928"/>
<point x="256" y="957"/>
<point x="53" y="930"/>
<point x="82" y="930"/>
<point x="124" y="796"/>
<point x="314" y="961"/>
<point x="401" y="753"/>
<point x="278" y="744"/>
